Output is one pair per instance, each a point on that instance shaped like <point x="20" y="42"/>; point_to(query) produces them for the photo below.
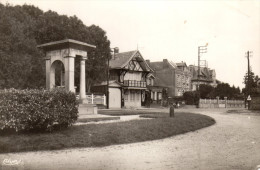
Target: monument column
<point x="62" y="78"/>
<point x="69" y="73"/>
<point x="48" y="69"/>
<point x="82" y="92"/>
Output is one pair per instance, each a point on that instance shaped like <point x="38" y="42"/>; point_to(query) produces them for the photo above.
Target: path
<point x="232" y="143"/>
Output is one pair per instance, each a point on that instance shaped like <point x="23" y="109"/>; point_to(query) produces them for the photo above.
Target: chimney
<point x="114" y="51"/>
<point x="148" y="62"/>
<point x="165" y="63"/>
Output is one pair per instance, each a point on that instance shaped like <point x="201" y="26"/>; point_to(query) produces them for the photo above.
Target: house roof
<point x="173" y="65"/>
<point x="205" y="73"/>
<point x="120" y="60"/>
<point x="160" y="65"/>
<point x="182" y="64"/>
<point x="159" y="82"/>
<point x="156" y="65"/>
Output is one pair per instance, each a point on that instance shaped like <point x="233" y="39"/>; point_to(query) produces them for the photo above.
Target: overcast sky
<point x="174" y="29"/>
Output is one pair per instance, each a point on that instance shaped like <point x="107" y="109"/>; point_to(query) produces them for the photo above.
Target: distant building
<point x="183" y="78"/>
<point x="176" y="77"/>
<point x="206" y="76"/>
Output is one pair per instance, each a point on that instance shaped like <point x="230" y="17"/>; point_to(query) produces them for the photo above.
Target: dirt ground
<point x="233" y="143"/>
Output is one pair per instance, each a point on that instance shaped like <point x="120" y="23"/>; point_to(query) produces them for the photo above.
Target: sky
<point x="174" y="29"/>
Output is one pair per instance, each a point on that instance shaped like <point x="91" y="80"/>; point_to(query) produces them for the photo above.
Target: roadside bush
<point x="191" y="97"/>
<point x="37" y="110"/>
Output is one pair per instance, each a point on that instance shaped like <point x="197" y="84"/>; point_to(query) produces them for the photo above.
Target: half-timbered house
<point x="128" y="73"/>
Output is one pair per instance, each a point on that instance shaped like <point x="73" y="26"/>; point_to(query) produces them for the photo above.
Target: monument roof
<point x="67" y="43"/>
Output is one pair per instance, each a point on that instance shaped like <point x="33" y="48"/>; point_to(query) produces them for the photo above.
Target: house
<point x="156" y="90"/>
<point x="183" y="78"/>
<point x="206" y="76"/>
<point x="128" y="73"/>
<point x="175" y="76"/>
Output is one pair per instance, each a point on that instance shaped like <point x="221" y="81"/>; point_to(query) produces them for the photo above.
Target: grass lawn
<point x="244" y="111"/>
<point x="94" y="135"/>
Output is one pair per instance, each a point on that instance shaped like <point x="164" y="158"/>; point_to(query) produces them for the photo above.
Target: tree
<point x="22" y="28"/>
<point x="206" y="91"/>
<point x="222" y="90"/>
<point x="250" y="81"/>
<point x="18" y="50"/>
<point x="191" y="97"/>
<point x="96" y="65"/>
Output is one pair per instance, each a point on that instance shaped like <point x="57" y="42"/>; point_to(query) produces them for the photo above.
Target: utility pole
<point x="112" y="50"/>
<point x="248" y="74"/>
<point x="201" y="49"/>
<point x="107" y="90"/>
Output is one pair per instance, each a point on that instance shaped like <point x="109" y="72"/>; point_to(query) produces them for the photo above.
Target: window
<point x="121" y="78"/>
<point x="159" y="96"/>
<point x="151" y="82"/>
<point x="148" y="81"/>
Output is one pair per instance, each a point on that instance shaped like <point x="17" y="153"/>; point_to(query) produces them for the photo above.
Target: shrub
<point x="191" y="97"/>
<point x="37" y="110"/>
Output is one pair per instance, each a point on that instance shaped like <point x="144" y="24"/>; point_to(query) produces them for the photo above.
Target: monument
<point x="61" y="54"/>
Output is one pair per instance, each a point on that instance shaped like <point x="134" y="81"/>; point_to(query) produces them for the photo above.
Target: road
<point x="232" y="143"/>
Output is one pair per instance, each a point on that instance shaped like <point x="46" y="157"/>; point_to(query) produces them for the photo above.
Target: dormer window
<point x="151" y="82"/>
<point x="148" y="81"/>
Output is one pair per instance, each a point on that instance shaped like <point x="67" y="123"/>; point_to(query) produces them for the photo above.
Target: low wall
<point x="216" y="103"/>
<point x="255" y="103"/>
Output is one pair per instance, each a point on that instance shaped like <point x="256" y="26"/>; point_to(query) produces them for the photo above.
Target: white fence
<point x="95" y="99"/>
<point x="216" y="103"/>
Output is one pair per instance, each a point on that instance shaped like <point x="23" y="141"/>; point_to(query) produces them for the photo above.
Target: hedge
<point x="37" y="110"/>
<point x="191" y="97"/>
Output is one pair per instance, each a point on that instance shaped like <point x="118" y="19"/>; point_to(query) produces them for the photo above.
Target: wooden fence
<point x="216" y="103"/>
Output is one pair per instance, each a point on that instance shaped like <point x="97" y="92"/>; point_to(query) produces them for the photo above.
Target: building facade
<point x="206" y="76"/>
<point x="182" y="79"/>
<point x="155" y="90"/>
<point x="176" y="77"/>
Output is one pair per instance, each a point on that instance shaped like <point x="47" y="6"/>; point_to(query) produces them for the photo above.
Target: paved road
<point x="232" y="143"/>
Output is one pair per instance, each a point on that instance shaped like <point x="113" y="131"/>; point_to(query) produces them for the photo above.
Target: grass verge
<point x="85" y="120"/>
<point x="244" y="111"/>
<point x="95" y="135"/>
<point x="122" y="112"/>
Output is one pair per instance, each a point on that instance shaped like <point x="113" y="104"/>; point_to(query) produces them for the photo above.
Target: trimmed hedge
<point x="37" y="110"/>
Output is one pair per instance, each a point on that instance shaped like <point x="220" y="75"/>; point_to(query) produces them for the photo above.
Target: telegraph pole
<point x="112" y="50"/>
<point x="248" y="75"/>
<point x="248" y="72"/>
<point x="201" y="49"/>
<point x="107" y="89"/>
